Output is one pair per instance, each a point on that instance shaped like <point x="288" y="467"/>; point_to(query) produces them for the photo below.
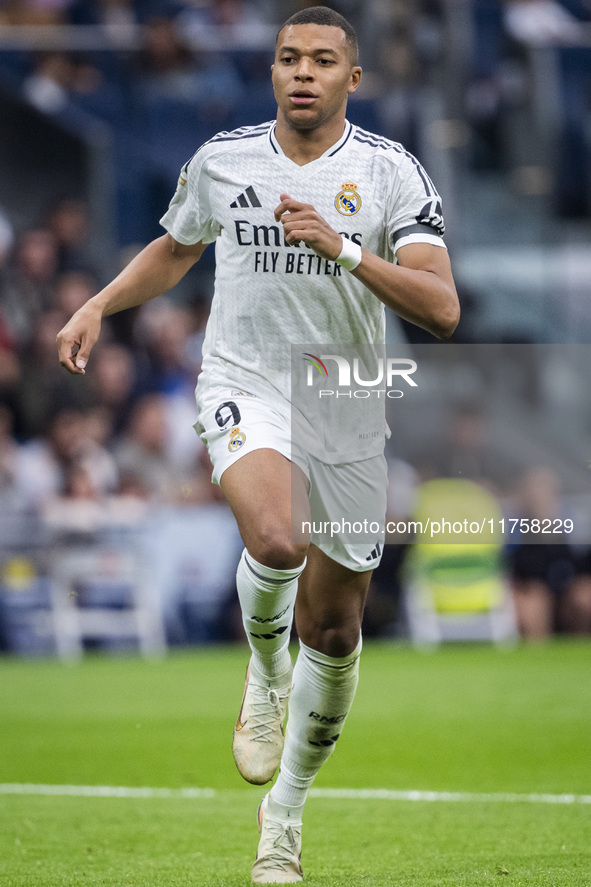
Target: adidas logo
<point x="375" y="553"/>
<point x="324" y="743"/>
<point x="270" y="636"/>
<point x="247" y="198"/>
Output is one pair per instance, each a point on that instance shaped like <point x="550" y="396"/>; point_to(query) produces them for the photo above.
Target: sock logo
<point x="325" y="743"/>
<point x="323" y="719"/>
<point x="271" y="618"/>
<point x="272" y="635"/>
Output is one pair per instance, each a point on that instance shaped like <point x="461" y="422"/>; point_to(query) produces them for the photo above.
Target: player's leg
<point x="262" y="489"/>
<point x="329" y="612"/>
<point x="329" y="609"/>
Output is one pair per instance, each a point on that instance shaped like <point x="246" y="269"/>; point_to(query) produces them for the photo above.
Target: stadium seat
<point x="103" y="594"/>
<point x="455" y="588"/>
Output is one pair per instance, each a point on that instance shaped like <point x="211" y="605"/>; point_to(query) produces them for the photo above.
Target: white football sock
<point x="322" y="693"/>
<point x="267" y="599"/>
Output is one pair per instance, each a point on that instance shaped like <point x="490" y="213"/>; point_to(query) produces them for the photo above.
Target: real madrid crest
<point x="237" y="438"/>
<point x="348" y="201"/>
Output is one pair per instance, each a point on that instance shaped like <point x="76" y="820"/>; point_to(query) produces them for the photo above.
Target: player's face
<point x="313" y="75"/>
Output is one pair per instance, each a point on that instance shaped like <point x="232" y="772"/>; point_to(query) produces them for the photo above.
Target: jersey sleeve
<point x="416" y="215"/>
<point x="189" y="218"/>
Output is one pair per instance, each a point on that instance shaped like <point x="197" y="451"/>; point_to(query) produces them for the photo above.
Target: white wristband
<point x="350" y="255"/>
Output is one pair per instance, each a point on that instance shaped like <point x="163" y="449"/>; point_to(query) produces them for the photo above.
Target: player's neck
<point x="304" y="146"/>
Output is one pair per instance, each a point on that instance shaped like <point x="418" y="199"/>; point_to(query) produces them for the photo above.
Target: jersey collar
<point x="330" y="152"/>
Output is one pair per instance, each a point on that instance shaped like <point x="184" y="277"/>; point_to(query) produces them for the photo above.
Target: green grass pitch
<point x="465" y="719"/>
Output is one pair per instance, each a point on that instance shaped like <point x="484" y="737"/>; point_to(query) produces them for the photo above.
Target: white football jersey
<point x="269" y="295"/>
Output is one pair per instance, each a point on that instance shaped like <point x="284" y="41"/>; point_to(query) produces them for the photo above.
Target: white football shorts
<point x="347" y="501"/>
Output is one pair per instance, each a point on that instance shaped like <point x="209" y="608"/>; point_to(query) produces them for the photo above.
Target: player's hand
<point x="76" y="340"/>
<point x="301" y="222"/>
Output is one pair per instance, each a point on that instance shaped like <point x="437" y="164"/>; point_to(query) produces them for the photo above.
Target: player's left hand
<point x="301" y="222"/>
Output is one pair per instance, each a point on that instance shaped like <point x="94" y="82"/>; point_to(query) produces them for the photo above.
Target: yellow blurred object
<point x="463" y="578"/>
<point x="455" y="587"/>
<point x="18" y="573"/>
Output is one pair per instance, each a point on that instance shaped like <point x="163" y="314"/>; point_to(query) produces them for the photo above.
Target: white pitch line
<point x="354" y="794"/>
<point x="103" y="791"/>
<point x="385" y="794"/>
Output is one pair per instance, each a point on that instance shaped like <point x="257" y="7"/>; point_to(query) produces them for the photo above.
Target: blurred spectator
<point x="44" y="463"/>
<point x="8" y="451"/>
<point x="63" y="80"/>
<point x="498" y="85"/>
<point x="576" y="611"/>
<point x="174" y="81"/>
<point x="72" y="290"/>
<point x="541" y="571"/>
<point x="47" y="88"/>
<point x="9" y="364"/>
<point x="34" y="12"/>
<point x="398" y="102"/>
<point x="535" y="23"/>
<point x="573" y="179"/>
<point x="466" y="449"/>
<point x="111" y="380"/>
<point x="166" y="333"/>
<point x="78" y="483"/>
<point x="68" y="220"/>
<point x="6" y="237"/>
<point x="95" y="456"/>
<point x="142" y="452"/>
<point x="85" y="510"/>
<point x="232" y="13"/>
<point x="163" y="330"/>
<point x="166" y="67"/>
<point x="77" y="508"/>
<point x="43" y="386"/>
<point x="28" y="281"/>
<point x="220" y="23"/>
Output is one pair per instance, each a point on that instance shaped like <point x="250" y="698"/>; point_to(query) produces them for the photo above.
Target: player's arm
<point x="420" y="288"/>
<point x="156" y="269"/>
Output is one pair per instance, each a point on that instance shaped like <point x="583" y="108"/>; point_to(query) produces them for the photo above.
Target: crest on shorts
<point x="237" y="438"/>
<point x="348" y="201"/>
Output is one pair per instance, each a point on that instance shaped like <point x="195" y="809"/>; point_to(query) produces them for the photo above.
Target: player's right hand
<point x="76" y="340"/>
<point x="303" y="223"/>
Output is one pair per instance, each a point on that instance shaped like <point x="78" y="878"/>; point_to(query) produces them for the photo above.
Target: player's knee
<point x="332" y="637"/>
<point x="276" y="550"/>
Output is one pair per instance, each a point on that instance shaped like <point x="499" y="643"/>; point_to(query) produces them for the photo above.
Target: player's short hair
<point x="322" y="15"/>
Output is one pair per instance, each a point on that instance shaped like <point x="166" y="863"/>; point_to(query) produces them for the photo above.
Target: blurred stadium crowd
<point x="113" y="456"/>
